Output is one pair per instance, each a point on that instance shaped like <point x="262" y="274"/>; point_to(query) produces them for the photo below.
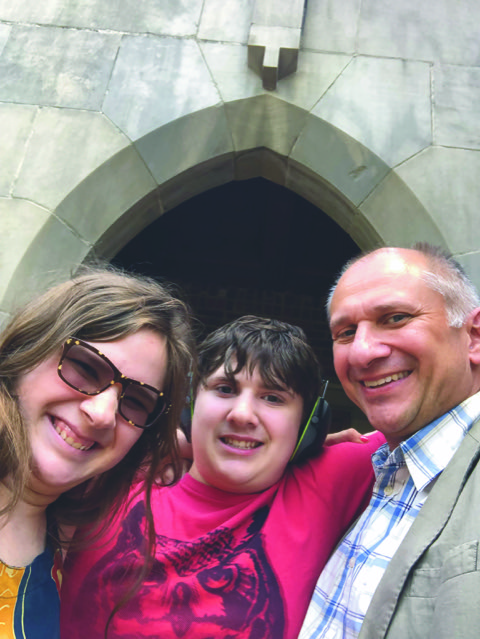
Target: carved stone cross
<point x="274" y="39"/>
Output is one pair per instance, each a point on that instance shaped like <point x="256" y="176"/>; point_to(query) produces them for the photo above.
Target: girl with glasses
<point x="92" y="382"/>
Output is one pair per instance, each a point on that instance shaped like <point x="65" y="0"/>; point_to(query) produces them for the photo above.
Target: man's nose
<point x="367" y="346"/>
<point x="101" y="410"/>
<point x="243" y="410"/>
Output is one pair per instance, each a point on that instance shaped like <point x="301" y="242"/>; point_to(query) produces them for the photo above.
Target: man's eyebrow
<point x="382" y="308"/>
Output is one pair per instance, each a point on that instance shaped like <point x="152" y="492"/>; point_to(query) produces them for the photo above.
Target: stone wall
<point x="114" y="111"/>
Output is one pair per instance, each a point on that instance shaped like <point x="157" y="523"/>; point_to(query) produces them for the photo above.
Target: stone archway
<point x="132" y="183"/>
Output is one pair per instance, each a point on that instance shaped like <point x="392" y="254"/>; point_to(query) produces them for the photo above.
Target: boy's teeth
<point x="386" y="380"/>
<point x="240" y="443"/>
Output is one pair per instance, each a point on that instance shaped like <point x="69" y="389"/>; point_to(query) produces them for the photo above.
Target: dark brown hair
<point x="278" y="350"/>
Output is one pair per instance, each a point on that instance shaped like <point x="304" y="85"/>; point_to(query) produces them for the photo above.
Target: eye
<point x="272" y="398"/>
<point x="224" y="389"/>
<point x="397" y="318"/>
<point x="82" y="369"/>
<point x="344" y="335"/>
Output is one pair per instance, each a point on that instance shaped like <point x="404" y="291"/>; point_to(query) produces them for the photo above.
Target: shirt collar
<point x="428" y="451"/>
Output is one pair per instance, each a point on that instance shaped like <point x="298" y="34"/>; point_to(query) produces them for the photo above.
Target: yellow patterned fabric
<point x="29" y="599"/>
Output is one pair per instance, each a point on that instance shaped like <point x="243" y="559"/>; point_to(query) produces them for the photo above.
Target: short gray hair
<point x="446" y="276"/>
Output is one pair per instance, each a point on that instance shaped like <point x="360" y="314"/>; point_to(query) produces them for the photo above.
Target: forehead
<point x="380" y="281"/>
<point x="251" y="373"/>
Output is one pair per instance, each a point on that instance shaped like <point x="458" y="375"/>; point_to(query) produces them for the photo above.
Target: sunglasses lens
<point x="140" y="405"/>
<point x="85" y="371"/>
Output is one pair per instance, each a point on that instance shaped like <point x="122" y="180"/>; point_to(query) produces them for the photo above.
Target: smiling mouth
<point x="66" y="434"/>
<point x="238" y="443"/>
<point x="386" y="380"/>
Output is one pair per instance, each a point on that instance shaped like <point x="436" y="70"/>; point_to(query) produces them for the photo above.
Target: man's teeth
<point x="70" y="441"/>
<point x="386" y="380"/>
<point x="237" y="443"/>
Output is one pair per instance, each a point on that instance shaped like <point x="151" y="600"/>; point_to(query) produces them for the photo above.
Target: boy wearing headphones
<point x="241" y="539"/>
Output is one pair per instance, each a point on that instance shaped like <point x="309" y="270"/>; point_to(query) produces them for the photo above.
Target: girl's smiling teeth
<point x="240" y="443"/>
<point x="386" y="380"/>
<point x="69" y="436"/>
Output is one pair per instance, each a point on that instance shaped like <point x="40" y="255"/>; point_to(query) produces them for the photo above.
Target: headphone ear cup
<point x="312" y="434"/>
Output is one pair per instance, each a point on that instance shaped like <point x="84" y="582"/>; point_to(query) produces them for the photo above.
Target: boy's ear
<point x="473" y="327"/>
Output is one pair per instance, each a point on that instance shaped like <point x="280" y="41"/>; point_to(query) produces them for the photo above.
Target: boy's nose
<point x="243" y="410"/>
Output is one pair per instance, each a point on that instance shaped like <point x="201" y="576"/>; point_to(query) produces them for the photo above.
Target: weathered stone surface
<point x="446" y="183"/>
<point x="55" y="164"/>
<point x="104" y="196"/>
<point x="398" y="216"/>
<point x="384" y="104"/>
<point x="443" y="30"/>
<point x="264" y="121"/>
<point x="16" y="123"/>
<point x="226" y="21"/>
<point x="59" y="67"/>
<point x="273" y="53"/>
<point x="331" y="25"/>
<point x="157" y="80"/>
<point x="339" y="159"/>
<point x="53" y="255"/>
<point x="5" y="30"/>
<point x="279" y="14"/>
<point x="185" y="142"/>
<point x="152" y="16"/>
<point x="20" y="222"/>
<point x="457" y="106"/>
<point x="235" y="81"/>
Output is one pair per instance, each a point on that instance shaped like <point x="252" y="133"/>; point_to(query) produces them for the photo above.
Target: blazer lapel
<point x="427" y="526"/>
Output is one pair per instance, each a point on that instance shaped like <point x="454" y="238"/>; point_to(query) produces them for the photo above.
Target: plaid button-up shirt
<point x="404" y="479"/>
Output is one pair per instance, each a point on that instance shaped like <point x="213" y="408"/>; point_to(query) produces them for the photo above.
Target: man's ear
<point x="473" y="326"/>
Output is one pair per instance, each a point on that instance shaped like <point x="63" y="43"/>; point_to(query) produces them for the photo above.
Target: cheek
<point x="127" y="437"/>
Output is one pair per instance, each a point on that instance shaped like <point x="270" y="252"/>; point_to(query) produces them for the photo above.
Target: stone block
<point x="55" y="164"/>
<point x="226" y="21"/>
<point x="265" y="121"/>
<point x="261" y="163"/>
<point x="339" y="159"/>
<point x="5" y="30"/>
<point x="185" y="142"/>
<point x="384" y="104"/>
<point x="20" y="222"/>
<point x="302" y="180"/>
<point x="457" y="106"/>
<point x="446" y="183"/>
<point x="433" y="30"/>
<point x="58" y="67"/>
<point x="53" y="255"/>
<point x="17" y="120"/>
<point x="198" y="179"/>
<point x="103" y="197"/>
<point x="279" y="13"/>
<point x="315" y="73"/>
<point x="398" y="216"/>
<point x="273" y="53"/>
<point x="155" y="81"/>
<point x="149" y="16"/>
<point x="331" y="25"/>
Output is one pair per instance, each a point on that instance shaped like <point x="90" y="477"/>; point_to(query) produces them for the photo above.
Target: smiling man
<point x="241" y="539"/>
<point x="405" y="325"/>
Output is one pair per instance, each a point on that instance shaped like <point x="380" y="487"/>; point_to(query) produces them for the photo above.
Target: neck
<point x="22" y="530"/>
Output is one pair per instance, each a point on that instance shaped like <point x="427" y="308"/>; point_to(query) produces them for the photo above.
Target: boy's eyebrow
<point x="279" y="387"/>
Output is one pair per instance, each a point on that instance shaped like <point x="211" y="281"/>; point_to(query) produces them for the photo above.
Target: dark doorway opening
<point x="249" y="247"/>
